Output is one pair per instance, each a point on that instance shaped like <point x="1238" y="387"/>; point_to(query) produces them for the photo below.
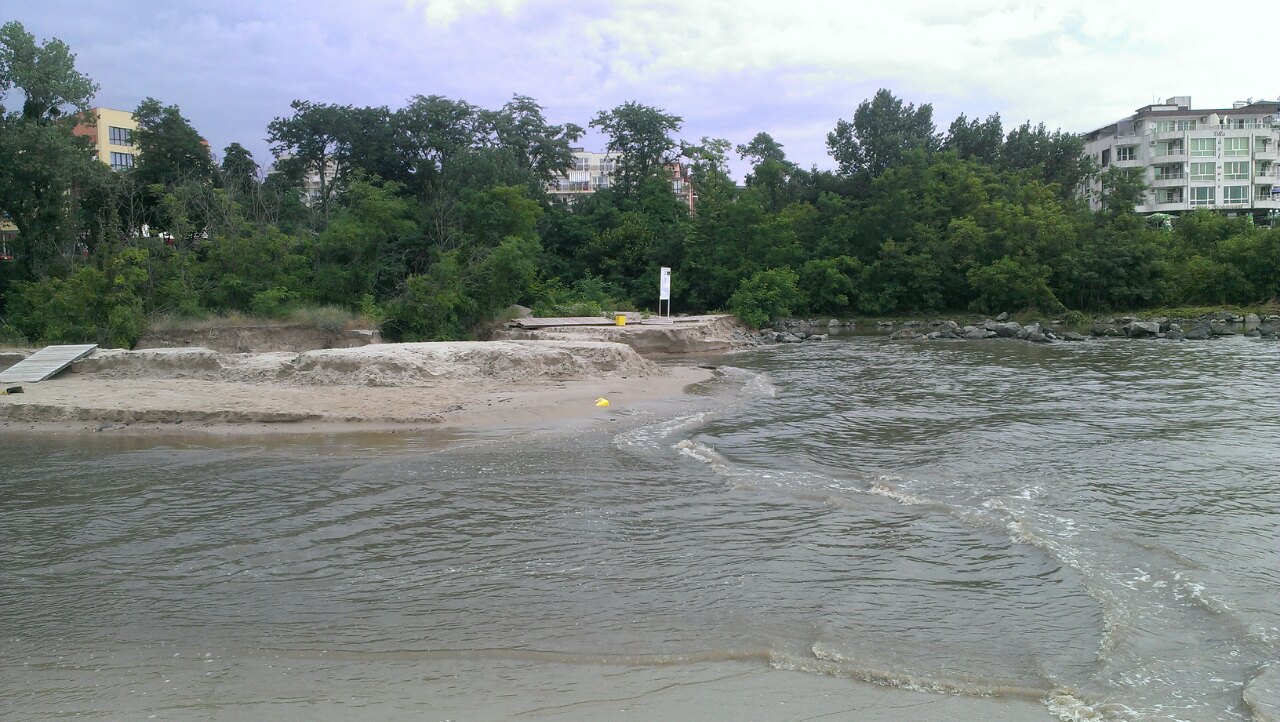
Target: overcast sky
<point x="730" y="68"/>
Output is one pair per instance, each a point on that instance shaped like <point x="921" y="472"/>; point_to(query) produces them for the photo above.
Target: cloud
<point x="730" y="68"/>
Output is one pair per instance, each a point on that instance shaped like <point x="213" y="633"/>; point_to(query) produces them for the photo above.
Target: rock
<point x="943" y="334"/>
<point x="1175" y="335"/>
<point x="817" y="337"/>
<point x="833" y="323"/>
<point x="905" y="334"/>
<point x="709" y="367"/>
<point x="1270" y="328"/>
<point x="1200" y="332"/>
<point x="1002" y="317"/>
<point x="978" y="334"/>
<point x="1038" y="338"/>
<point x="1221" y="329"/>
<point x="1073" y="336"/>
<point x="1098" y="329"/>
<point x="1142" y="329"/>
<point x="884" y="324"/>
<point x="951" y="326"/>
<point x="1253" y="333"/>
<point x="789" y="338"/>
<point x="1252" y="320"/>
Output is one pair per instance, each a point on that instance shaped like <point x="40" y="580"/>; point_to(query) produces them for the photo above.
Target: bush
<point x="767" y="295"/>
<point x="274" y="302"/>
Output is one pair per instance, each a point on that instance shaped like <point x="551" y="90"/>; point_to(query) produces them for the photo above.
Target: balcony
<point x="1168" y="179"/>
<point x="1266" y="153"/>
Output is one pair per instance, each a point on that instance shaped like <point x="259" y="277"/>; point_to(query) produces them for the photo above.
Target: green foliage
<point x="432" y="218"/>
<point x="640" y="138"/>
<point x="1013" y="284"/>
<point x="883" y="132"/>
<point x="767" y="295"/>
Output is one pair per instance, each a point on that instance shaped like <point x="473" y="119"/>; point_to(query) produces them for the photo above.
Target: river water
<point x="1095" y="525"/>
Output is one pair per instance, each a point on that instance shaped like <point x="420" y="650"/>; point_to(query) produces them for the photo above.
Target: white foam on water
<point x="884" y="487"/>
<point x="650" y="436"/>
<point x="1066" y="706"/>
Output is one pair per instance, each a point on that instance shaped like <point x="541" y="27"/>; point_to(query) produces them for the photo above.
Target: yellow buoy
<point x="602" y="401"/>
<point x="620" y="319"/>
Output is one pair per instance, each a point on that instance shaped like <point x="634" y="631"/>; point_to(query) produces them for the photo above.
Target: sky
<point x="728" y="68"/>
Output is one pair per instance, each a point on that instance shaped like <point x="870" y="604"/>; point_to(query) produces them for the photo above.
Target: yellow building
<point x="112" y="137"/>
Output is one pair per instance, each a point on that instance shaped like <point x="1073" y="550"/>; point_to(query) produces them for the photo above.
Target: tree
<point x="51" y="86"/>
<point x="315" y="140"/>
<point x="978" y="140"/>
<point x="170" y="151"/>
<point x="239" y="171"/>
<point x="1055" y="157"/>
<point x="640" y="137"/>
<point x="883" y="132"/>
<point x="40" y="158"/>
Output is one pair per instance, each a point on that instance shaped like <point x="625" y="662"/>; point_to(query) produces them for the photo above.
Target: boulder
<point x="1098" y="329"/>
<point x="1200" y="332"/>
<point x="1073" y="336"/>
<point x="789" y="338"/>
<point x="1002" y="317"/>
<point x="1253" y="333"/>
<point x="1142" y="329"/>
<point x="905" y="334"/>
<point x="817" y="337"/>
<point x="951" y="326"/>
<point x="943" y="334"/>
<point x="978" y="334"/>
<point x="1270" y="328"/>
<point x="1252" y="320"/>
<point x="833" y="323"/>
<point x="1175" y="335"/>
<point x="884" y="324"/>
<point x="1221" y="329"/>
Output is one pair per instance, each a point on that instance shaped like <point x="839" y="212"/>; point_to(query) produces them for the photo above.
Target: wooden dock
<point x="46" y="362"/>
<point x="633" y="319"/>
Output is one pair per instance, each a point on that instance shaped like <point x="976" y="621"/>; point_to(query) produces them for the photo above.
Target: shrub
<point x="767" y="295"/>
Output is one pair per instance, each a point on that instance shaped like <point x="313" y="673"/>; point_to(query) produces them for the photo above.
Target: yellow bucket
<point x="620" y="320"/>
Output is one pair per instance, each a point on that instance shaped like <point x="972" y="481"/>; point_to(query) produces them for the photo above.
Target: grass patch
<point x="332" y="319"/>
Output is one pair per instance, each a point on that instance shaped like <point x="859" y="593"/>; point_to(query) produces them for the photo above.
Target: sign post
<point x="664" y="291"/>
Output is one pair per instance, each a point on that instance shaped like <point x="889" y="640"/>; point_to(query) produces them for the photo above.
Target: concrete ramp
<point x="44" y="363"/>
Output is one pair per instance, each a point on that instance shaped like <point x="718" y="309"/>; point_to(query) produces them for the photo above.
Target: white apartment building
<point x="591" y="171"/>
<point x="1221" y="158"/>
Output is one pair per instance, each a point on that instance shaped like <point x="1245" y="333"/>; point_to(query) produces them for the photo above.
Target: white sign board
<point x="664" y="284"/>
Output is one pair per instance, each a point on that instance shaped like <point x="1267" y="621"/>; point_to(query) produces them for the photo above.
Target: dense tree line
<point x="432" y="217"/>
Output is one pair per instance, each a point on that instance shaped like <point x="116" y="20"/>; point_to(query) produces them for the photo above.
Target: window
<point x="1235" y="146"/>
<point x="1236" y="170"/>
<point x="1202" y="171"/>
<point x="1202" y="196"/>
<point x="1235" y="194"/>
<point x="1262" y="143"/>
<point x="580" y="163"/>
<point x="1168" y="126"/>
<point x="120" y="136"/>
<point x="121" y="161"/>
<point x="1264" y="193"/>
<point x="1127" y="152"/>
<point x="1106" y="157"/>
<point x="1168" y="195"/>
<point x="1170" y="148"/>
<point x="1203" y="147"/>
<point x="1168" y="172"/>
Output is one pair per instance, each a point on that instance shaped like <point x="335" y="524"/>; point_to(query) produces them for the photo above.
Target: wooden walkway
<point x="44" y="363"/>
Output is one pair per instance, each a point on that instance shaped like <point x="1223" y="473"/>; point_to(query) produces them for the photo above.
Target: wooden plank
<point x="46" y="362"/>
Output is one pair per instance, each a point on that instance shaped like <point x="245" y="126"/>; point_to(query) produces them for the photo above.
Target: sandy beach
<point x="379" y="387"/>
